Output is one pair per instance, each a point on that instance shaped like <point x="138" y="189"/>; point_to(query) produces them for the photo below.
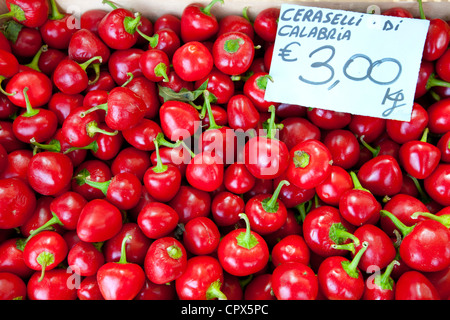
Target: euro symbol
<point x="285" y="52"/>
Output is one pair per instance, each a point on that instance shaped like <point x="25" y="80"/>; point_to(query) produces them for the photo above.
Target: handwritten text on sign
<point x="359" y="63"/>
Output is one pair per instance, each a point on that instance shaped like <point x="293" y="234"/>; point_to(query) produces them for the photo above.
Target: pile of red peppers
<point x="139" y="160"/>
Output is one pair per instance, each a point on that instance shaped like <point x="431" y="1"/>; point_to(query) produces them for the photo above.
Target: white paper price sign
<point x="365" y="64"/>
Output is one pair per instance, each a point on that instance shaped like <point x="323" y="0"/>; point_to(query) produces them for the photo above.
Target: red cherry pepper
<point x="131" y="159"/>
<point x="233" y="53"/>
<point x="294" y="281"/>
<point x="85" y="45"/>
<point x="381" y="250"/>
<point x="39" y="124"/>
<point x="298" y="129"/>
<point x="32" y="14"/>
<point x="118" y="28"/>
<point x="9" y="65"/>
<point x="437" y="39"/>
<point x="136" y="249"/>
<point x="154" y="64"/>
<point x="341" y="279"/>
<point x="430" y="234"/>
<point x="358" y="205"/>
<point x="59" y="28"/>
<point x="243" y="252"/>
<point x="48" y="164"/>
<point x="157" y="219"/>
<point x="45" y="251"/>
<point x="201" y="236"/>
<point x="178" y="119"/>
<point x="11" y="258"/>
<point x="403" y="131"/>
<point x="201" y="280"/>
<point x="89" y="289"/>
<point x="413" y="285"/>
<point x="165" y="261"/>
<point x="331" y="189"/>
<point x="265" y="212"/>
<point x="255" y="89"/>
<point x="327" y="234"/>
<point x="260" y="288"/>
<point x="226" y="207"/>
<point x="204" y="172"/>
<point x="89" y="19"/>
<point x="39" y="88"/>
<point x="124" y="109"/>
<point x="12" y="287"/>
<point x="84" y="258"/>
<point x="198" y="23"/>
<point x="381" y="286"/>
<point x="120" y="280"/>
<point x="192" y="61"/>
<point x="52" y="287"/>
<point x="436" y="184"/>
<point x="162" y="180"/>
<point x="309" y="165"/>
<point x="402" y="206"/>
<point x="381" y="175"/>
<point x="241" y="113"/>
<point x="18" y="202"/>
<point x="419" y="158"/>
<point x="266" y="23"/>
<point x="99" y="221"/>
<point x="265" y="156"/>
<point x="291" y="248"/>
<point x="124" y="62"/>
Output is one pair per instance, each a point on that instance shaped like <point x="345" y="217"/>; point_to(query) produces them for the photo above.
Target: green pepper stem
<point x="102" y="186"/>
<point x="54" y="145"/>
<point x="356" y="183"/>
<point x="52" y="221"/>
<point x="246" y="239"/>
<point x="112" y="5"/>
<point x="30" y="111"/>
<point x="129" y="79"/>
<point x="34" y="63"/>
<point x="423" y="196"/>
<point x="385" y="281"/>
<point x="160" y="166"/>
<point x="123" y="251"/>
<point x="103" y="106"/>
<point x="214" y="292"/>
<point x="422" y="12"/>
<point x="425" y="135"/>
<point x="351" y="268"/>
<point x="174" y="252"/>
<point x="91" y="146"/>
<point x="374" y="151"/>
<point x="55" y="14"/>
<point x="212" y="122"/>
<point x="245" y="14"/>
<point x="271" y="127"/>
<point x="2" y="90"/>
<point x="434" y="82"/>
<point x="404" y="229"/>
<point x="153" y="40"/>
<point x="45" y="258"/>
<point x="444" y="219"/>
<point x="161" y="71"/>
<point x="271" y="204"/>
<point x="92" y="129"/>
<point x="131" y="24"/>
<point x="207" y="10"/>
<point x="86" y="64"/>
